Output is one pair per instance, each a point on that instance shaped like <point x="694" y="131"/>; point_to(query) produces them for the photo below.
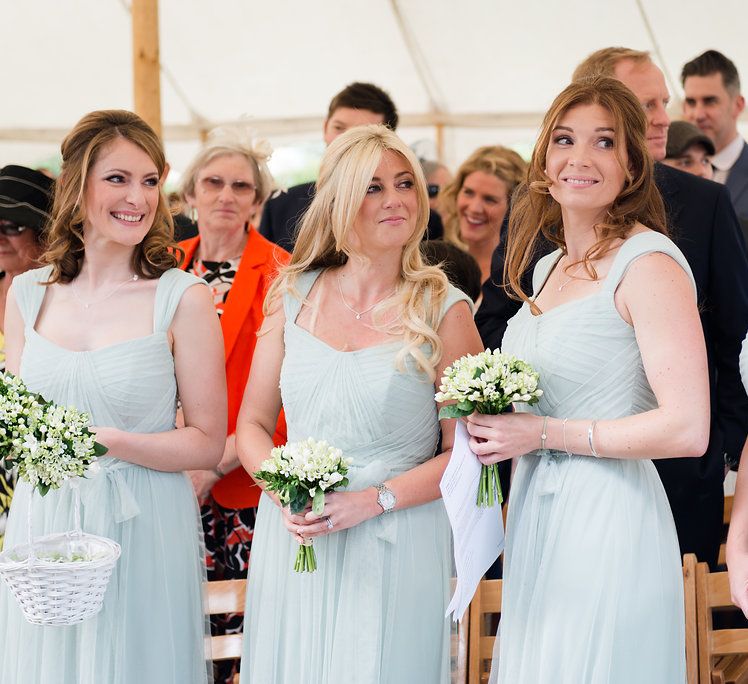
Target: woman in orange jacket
<point x="225" y="184"/>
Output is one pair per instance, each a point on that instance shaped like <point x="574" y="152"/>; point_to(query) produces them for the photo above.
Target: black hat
<point x="25" y="196"/>
<point x="681" y="135"/>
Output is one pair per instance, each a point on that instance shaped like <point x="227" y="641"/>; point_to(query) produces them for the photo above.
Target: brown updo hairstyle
<point x="535" y="211"/>
<point x="80" y="150"/>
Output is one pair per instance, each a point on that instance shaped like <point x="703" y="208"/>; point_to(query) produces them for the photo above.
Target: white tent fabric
<point x="484" y="70"/>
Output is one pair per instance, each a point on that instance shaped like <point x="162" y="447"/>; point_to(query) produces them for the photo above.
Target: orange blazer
<point x="241" y="319"/>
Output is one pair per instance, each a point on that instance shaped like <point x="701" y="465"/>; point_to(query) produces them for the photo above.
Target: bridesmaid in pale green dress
<point x="357" y="331"/>
<point x="593" y="590"/>
<point x="110" y="326"/>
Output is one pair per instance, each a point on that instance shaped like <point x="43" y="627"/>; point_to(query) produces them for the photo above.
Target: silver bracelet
<point x="563" y="429"/>
<point x="590" y="436"/>
<point x="543" y="434"/>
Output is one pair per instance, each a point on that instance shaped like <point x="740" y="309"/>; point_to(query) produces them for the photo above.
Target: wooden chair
<point x="723" y="653"/>
<point x="459" y="645"/>
<point x="726" y="515"/>
<point x="226" y="596"/>
<point x="485" y="610"/>
<point x="689" y="596"/>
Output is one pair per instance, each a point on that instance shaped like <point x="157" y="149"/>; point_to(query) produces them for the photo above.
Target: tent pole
<point x="439" y="131"/>
<point x="146" y="72"/>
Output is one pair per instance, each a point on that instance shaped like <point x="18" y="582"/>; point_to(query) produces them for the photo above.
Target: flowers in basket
<point x="48" y="443"/>
<point x="487" y="383"/>
<point x="61" y="578"/>
<point x="302" y="471"/>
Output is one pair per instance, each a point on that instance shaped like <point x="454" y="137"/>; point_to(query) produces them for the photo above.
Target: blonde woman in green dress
<point x="357" y="331"/>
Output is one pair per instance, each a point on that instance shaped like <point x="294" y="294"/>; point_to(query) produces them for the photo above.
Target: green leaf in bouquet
<point x="100" y="449"/>
<point x="298" y="500"/>
<point x="42" y="488"/>
<point x="318" y="502"/>
<point x="464" y="408"/>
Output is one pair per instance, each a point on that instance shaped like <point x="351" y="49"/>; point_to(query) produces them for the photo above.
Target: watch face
<point x="386" y="499"/>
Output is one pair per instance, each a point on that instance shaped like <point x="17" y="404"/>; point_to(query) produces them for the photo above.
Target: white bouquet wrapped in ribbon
<point x="488" y="383"/>
<point x="302" y="471"/>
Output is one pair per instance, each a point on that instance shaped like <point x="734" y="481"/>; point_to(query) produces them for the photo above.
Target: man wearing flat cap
<point x="25" y="200"/>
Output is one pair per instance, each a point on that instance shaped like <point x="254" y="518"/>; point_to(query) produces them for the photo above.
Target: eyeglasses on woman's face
<point x="11" y="228"/>
<point x="215" y="184"/>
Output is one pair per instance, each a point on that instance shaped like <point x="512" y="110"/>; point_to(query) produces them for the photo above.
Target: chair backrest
<point x="485" y="611"/>
<point x="726" y="515"/>
<point x="692" y="638"/>
<point x="226" y="596"/>
<point x="713" y="592"/>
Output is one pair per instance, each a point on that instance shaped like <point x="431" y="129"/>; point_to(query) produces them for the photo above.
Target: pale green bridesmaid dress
<point x="593" y="590"/>
<point x="373" y="612"/>
<point x="151" y="628"/>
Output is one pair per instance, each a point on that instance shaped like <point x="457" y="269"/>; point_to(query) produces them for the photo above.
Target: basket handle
<point x="76" y="516"/>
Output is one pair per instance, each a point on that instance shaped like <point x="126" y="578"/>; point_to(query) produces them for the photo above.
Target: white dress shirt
<point x="725" y="159"/>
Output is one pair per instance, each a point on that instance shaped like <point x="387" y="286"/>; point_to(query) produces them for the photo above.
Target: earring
<point x="193" y="214"/>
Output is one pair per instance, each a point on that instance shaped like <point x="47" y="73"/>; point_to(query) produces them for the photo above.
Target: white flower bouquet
<point x="48" y="443"/>
<point x="488" y="383"/>
<point x="302" y="471"/>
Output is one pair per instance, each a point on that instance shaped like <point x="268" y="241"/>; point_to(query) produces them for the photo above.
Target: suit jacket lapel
<point x="669" y="191"/>
<point x="737" y="180"/>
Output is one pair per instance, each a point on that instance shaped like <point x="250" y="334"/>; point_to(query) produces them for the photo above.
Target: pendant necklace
<point x="358" y="314"/>
<point x="571" y="277"/>
<point x="88" y="305"/>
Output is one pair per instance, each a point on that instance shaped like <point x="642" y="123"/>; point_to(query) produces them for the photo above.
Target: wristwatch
<point x="385" y="497"/>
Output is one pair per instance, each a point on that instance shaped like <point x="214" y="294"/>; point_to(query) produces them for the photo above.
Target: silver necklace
<point x="88" y="305"/>
<point x="571" y="277"/>
<point x="358" y="314"/>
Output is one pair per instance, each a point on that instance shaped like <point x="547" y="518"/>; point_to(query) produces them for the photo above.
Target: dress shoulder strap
<point x="171" y="286"/>
<point x="543" y="270"/>
<point x="29" y="291"/>
<point x="640" y="245"/>
<point x="292" y="301"/>
<point x="454" y="295"/>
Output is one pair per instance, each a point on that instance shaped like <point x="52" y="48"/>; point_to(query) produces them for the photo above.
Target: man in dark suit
<point x="704" y="226"/>
<point x="713" y="102"/>
<point x="357" y="104"/>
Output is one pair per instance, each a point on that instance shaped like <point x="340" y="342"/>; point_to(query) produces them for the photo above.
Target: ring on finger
<point x="330" y="523"/>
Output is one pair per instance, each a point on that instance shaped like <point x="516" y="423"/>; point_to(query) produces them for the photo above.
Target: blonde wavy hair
<point x="536" y="212"/>
<point x="81" y="149"/>
<point x="324" y="241"/>
<point x="229" y="140"/>
<point x="501" y="162"/>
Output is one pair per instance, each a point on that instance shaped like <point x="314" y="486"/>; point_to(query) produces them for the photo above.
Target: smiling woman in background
<point x="475" y="202"/>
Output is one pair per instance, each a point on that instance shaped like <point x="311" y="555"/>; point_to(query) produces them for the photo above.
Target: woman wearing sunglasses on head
<point x="225" y="184"/>
<point x="25" y="196"/>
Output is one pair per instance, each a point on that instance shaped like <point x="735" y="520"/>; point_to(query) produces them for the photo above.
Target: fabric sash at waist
<point x="106" y="486"/>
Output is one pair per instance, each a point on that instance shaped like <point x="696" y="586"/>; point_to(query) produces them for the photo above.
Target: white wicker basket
<point x="52" y="591"/>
